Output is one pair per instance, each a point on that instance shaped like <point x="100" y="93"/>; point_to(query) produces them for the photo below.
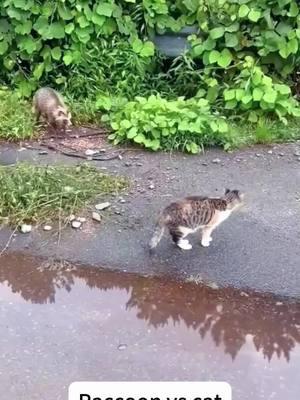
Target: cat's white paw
<point x="206" y="242"/>
<point x="184" y="244"/>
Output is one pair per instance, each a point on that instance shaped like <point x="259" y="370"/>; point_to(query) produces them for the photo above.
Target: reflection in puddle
<point x="95" y="325"/>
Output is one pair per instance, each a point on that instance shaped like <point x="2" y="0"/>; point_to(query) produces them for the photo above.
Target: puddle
<point x="61" y="323"/>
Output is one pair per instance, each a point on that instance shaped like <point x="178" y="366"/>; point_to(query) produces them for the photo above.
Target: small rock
<point x="26" y="228"/>
<point x="117" y="212"/>
<point x="270" y="152"/>
<point x="22" y="149"/>
<point x="151" y="187"/>
<point x="128" y="164"/>
<point x="297" y="154"/>
<point x="216" y="161"/>
<point x="122" y="346"/>
<point x="120" y="157"/>
<point x="90" y="152"/>
<point x="43" y="152"/>
<point x="102" y="150"/>
<point x="204" y="164"/>
<point x="281" y="154"/>
<point x="96" y="217"/>
<point x="72" y="217"/>
<point x="139" y="164"/>
<point x="47" y="228"/>
<point x="76" y="224"/>
<point x="102" y="206"/>
<point x="258" y="155"/>
<point x="81" y="219"/>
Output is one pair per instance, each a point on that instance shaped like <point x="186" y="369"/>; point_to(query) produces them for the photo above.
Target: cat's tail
<point x="158" y="233"/>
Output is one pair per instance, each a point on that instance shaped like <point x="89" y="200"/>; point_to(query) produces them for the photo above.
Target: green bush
<point x="16" y="119"/>
<point x="157" y="123"/>
<point x="242" y="60"/>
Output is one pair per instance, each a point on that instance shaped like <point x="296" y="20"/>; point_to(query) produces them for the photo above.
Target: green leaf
<point x="69" y="28"/>
<point x="283" y="28"/>
<point x="38" y="71"/>
<point x="41" y="25"/>
<point x="68" y="58"/>
<point x="19" y="3"/>
<point x="294" y="10"/>
<point x="82" y="21"/>
<point x="197" y="50"/>
<point x="209" y="44"/>
<point x="193" y="148"/>
<point x="229" y="94"/>
<point x="254" y="15"/>
<point x="212" y="94"/>
<point x="231" y="40"/>
<point x="256" y="78"/>
<point x="125" y="123"/>
<point x="246" y="99"/>
<point x="270" y="96"/>
<point x="292" y="46"/>
<point x="225" y="58"/>
<point x="243" y="11"/>
<point x="105" y="9"/>
<point x="222" y="126"/>
<point x="213" y="56"/>
<point x="216" y="33"/>
<point x="3" y="47"/>
<point x="115" y="126"/>
<point x="252" y="117"/>
<point x="140" y="138"/>
<point x="233" y="27"/>
<point x="137" y="45"/>
<point x="98" y="19"/>
<point x="257" y="94"/>
<point x="56" y="53"/>
<point x="56" y="31"/>
<point x="155" y="144"/>
<point x="28" y="43"/>
<point x="64" y="12"/>
<point x="148" y="49"/>
<point x="239" y="93"/>
<point x="132" y="132"/>
<point x="24" y="28"/>
<point x="231" y="104"/>
<point x="282" y="89"/>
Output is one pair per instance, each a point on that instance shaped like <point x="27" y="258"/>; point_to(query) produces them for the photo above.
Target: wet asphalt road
<point x="257" y="248"/>
<point x="62" y="323"/>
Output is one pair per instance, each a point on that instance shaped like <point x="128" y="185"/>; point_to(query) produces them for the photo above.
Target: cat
<point x="194" y="213"/>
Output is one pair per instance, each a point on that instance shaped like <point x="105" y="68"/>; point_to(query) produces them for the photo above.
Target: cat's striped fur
<point x="193" y="213"/>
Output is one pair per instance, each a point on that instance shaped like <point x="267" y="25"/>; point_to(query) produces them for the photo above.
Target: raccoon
<point x="193" y="213"/>
<point x="48" y="104"/>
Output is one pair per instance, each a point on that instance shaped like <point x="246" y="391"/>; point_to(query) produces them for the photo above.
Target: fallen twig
<point x="78" y="155"/>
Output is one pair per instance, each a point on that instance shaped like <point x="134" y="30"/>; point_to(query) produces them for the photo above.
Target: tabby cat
<point x="194" y="213"/>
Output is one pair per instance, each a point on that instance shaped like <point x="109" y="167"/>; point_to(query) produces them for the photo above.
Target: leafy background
<point x="243" y="61"/>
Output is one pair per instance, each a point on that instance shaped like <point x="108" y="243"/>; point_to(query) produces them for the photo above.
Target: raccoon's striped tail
<point x="158" y="233"/>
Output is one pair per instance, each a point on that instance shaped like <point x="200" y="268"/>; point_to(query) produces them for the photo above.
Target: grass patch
<point x="16" y="118"/>
<point x="34" y="194"/>
<point x="267" y="131"/>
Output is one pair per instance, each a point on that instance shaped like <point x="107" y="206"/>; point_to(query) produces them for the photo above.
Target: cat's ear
<point x="227" y="191"/>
